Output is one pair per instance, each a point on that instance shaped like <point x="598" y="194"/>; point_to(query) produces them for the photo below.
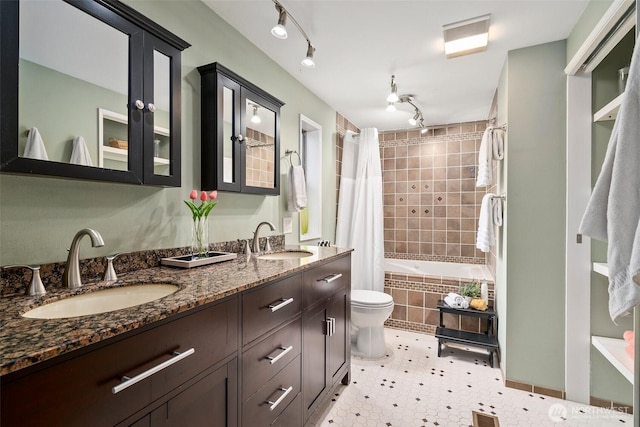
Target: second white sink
<point x="102" y="301"/>
<point x="286" y="255"/>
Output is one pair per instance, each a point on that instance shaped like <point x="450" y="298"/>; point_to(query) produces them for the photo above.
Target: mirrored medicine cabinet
<point x="240" y="134"/>
<point x="90" y="90"/>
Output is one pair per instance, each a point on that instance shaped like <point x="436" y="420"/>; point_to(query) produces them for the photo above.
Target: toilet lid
<point x="370" y="298"/>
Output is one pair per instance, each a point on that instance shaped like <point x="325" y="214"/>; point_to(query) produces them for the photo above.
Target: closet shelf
<point x="121" y="155"/>
<point x="613" y="350"/>
<point x="609" y="111"/>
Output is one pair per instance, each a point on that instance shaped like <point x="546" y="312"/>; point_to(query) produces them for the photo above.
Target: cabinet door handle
<point x="281" y="398"/>
<point x="139" y="104"/>
<point x="285" y="350"/>
<point x="128" y="382"/>
<point x="331" y="326"/>
<point x="283" y="302"/>
<point x="151" y="107"/>
<point x="330" y="278"/>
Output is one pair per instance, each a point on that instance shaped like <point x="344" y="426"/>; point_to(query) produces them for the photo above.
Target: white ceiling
<point x="361" y="43"/>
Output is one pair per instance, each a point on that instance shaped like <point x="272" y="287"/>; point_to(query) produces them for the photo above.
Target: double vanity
<point x="246" y="342"/>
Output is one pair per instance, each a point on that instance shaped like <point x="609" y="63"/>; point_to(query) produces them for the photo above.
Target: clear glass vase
<point x="200" y="238"/>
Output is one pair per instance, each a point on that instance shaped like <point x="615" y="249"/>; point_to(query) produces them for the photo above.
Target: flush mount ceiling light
<point x="255" y="118"/>
<point x="466" y="37"/>
<point x="280" y="31"/>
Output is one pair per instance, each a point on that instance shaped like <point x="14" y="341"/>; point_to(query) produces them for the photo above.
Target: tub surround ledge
<point x="30" y="341"/>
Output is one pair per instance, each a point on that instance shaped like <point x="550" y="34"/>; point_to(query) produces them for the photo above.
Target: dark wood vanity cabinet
<point x="118" y="89"/>
<point x="240" y="134"/>
<point x="326" y="340"/>
<point x="78" y="389"/>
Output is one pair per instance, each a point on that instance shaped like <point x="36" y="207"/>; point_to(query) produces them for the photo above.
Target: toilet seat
<point x="371" y="299"/>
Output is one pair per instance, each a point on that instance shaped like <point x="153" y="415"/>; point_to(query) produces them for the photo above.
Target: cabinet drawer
<point x="292" y="416"/>
<point x="78" y="391"/>
<point x="271" y="400"/>
<point x="261" y="362"/>
<point x="269" y="306"/>
<point x="322" y="281"/>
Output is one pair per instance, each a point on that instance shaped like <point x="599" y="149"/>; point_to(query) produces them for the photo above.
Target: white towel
<point x="613" y="212"/>
<point x="497" y="142"/>
<point x="486" y="233"/>
<point x="35" y="146"/>
<point x="496" y="208"/>
<point x="485" y="166"/>
<point x="80" y="154"/>
<point x="454" y="300"/>
<point x="297" y="196"/>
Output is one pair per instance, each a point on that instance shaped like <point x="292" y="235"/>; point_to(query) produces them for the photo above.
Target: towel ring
<point x="289" y="153"/>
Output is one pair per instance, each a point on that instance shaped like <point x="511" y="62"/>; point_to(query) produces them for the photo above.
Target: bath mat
<point x="484" y="420"/>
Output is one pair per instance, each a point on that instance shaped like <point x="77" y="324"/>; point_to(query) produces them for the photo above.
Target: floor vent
<point x="484" y="420"/>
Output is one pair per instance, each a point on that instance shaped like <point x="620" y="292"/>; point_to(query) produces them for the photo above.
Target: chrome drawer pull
<point x="128" y="382"/>
<point x="285" y="350"/>
<point x="280" y="399"/>
<point x="331" y="278"/>
<point x="331" y="326"/>
<point x="276" y="307"/>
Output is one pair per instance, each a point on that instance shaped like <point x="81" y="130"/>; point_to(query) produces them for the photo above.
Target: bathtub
<point x="438" y="269"/>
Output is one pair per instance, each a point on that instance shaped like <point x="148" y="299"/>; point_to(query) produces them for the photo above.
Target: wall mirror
<point x="94" y="94"/>
<point x="240" y="134"/>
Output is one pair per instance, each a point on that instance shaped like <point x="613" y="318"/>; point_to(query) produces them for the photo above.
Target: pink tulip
<point x="193" y="195"/>
<point x="213" y="195"/>
<point x="203" y="196"/>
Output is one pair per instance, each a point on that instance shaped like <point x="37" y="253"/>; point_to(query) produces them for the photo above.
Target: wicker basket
<point x="118" y="143"/>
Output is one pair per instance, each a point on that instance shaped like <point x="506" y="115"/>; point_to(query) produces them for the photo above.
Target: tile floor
<point x="412" y="387"/>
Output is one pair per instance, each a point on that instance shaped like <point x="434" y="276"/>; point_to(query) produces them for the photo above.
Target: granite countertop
<point x="28" y="341"/>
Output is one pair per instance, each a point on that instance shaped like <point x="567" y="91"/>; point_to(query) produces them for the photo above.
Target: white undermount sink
<point x="102" y="301"/>
<point x="286" y="255"/>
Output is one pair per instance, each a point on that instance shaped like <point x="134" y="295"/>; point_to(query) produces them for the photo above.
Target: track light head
<point x="308" y="60"/>
<point x="393" y="95"/>
<point x="279" y="30"/>
<point x="391" y="107"/>
<point x="255" y="118"/>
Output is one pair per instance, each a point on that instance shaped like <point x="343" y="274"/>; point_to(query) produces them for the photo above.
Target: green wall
<point x="532" y="295"/>
<point x="40" y="215"/>
<point x="589" y="18"/>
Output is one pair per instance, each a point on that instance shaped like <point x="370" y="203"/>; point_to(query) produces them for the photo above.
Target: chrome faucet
<point x="71" y="276"/>
<point x="255" y="246"/>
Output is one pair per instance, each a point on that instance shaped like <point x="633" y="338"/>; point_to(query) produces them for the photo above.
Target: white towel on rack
<point x="80" y="154"/>
<point x="297" y="196"/>
<point x="485" y="169"/>
<point x="486" y="233"/>
<point x="496" y="209"/>
<point x="613" y="211"/>
<point x="35" y="146"/>
<point x="497" y="143"/>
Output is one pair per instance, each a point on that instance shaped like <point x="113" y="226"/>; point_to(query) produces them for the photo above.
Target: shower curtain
<point x="360" y="216"/>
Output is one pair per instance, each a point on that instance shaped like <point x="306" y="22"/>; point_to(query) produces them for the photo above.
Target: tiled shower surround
<point x="260" y="159"/>
<point x="431" y="210"/>
<point x="431" y="203"/>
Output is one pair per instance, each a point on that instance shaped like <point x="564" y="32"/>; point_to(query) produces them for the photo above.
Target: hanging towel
<point x="35" y="146"/>
<point x="485" y="168"/>
<point x="496" y="210"/>
<point x="613" y="211"/>
<point x="486" y="234"/>
<point x="297" y="197"/>
<point x="80" y="154"/>
<point x="497" y="143"/>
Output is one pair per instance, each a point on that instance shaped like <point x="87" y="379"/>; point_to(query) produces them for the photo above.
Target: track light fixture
<point x="417" y="119"/>
<point x="393" y="95"/>
<point x="280" y="31"/>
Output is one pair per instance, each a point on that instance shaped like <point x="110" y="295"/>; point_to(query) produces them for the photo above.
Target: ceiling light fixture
<point x="391" y="107"/>
<point x="255" y="118"/>
<point x="417" y="119"/>
<point x="393" y="95"/>
<point x="466" y="37"/>
<point x="280" y="32"/>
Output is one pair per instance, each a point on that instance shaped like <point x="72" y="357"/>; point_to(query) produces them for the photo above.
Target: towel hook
<point x="289" y="153"/>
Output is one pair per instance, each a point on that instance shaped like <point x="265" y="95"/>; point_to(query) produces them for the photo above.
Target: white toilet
<point x="369" y="310"/>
